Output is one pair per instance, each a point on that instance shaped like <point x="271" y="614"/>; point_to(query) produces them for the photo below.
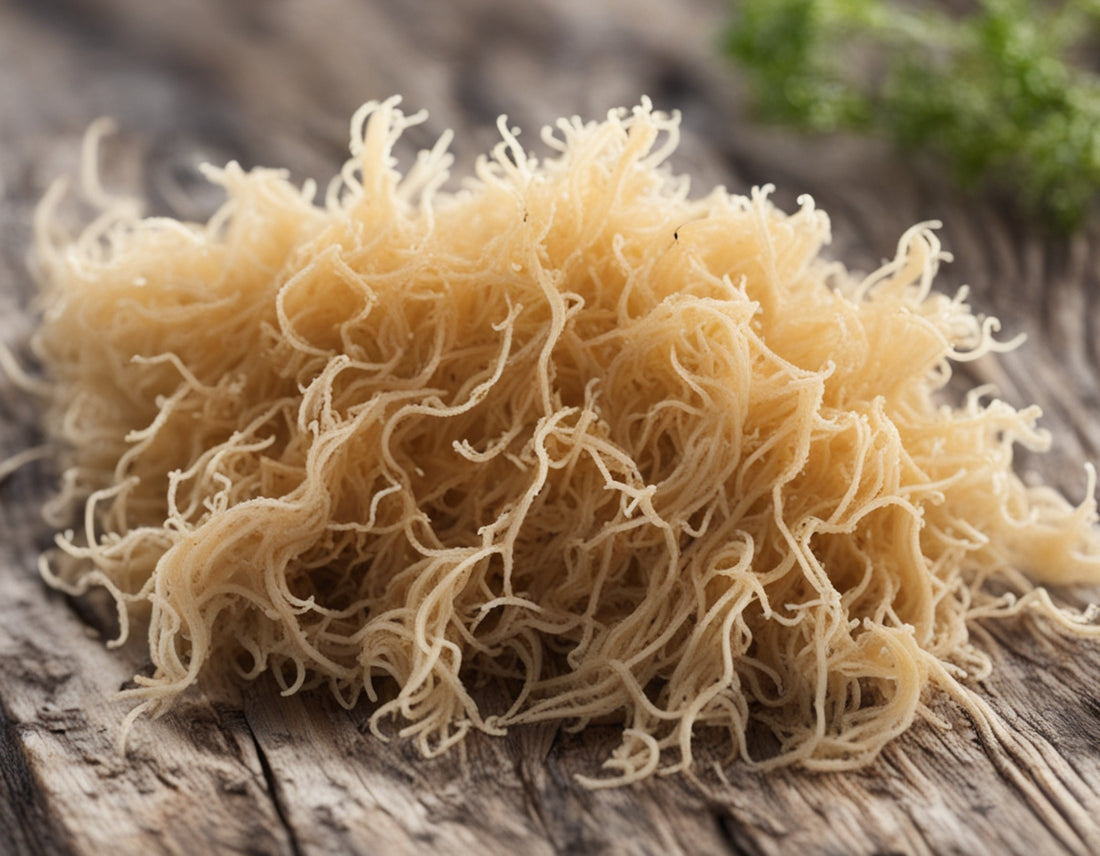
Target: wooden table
<point x="273" y="83"/>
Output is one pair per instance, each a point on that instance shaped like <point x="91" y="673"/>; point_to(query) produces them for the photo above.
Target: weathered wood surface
<point x="273" y="83"/>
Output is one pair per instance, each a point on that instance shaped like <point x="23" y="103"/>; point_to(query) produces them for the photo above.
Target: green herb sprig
<point x="1008" y="91"/>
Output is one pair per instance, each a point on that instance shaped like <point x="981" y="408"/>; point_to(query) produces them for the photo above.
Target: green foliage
<point x="1004" y="90"/>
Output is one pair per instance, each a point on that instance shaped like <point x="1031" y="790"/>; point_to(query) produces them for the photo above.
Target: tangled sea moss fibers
<point x="636" y="455"/>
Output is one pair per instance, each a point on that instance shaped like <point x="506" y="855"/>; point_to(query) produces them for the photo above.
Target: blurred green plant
<point x="1008" y="91"/>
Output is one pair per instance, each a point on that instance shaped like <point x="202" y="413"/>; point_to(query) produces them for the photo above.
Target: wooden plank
<point x="274" y="84"/>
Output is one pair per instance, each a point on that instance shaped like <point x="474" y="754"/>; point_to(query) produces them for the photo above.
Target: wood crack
<point x="23" y="814"/>
<point x="274" y="791"/>
<point x="738" y="840"/>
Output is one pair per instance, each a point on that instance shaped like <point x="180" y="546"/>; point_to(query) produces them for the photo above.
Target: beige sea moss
<point x="639" y="456"/>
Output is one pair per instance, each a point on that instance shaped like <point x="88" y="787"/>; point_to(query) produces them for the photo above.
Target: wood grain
<point x="273" y="83"/>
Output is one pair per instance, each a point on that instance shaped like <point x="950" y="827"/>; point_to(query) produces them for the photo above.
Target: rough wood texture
<point x="273" y="83"/>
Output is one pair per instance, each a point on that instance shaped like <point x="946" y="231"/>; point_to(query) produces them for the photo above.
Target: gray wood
<point x="274" y="83"/>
